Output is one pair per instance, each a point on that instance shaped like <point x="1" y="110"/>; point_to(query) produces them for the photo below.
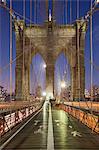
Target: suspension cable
<point x="91" y="52"/>
<point x="70" y="11"/>
<point x="53" y="2"/>
<point x="30" y="27"/>
<point x="77" y="9"/>
<point x="24" y="47"/>
<point x="66" y="11"/>
<point x="63" y="12"/>
<point x="30" y="35"/>
<point x="96" y="67"/>
<point x="47" y="10"/>
<point x="78" y="60"/>
<point x="78" y="56"/>
<point x="15" y="12"/>
<point x="10" y="49"/>
<point x="35" y="5"/>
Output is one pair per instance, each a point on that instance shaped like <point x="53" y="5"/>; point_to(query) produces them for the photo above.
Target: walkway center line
<point x="50" y="137"/>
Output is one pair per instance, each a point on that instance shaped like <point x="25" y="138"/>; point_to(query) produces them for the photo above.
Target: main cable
<point x="23" y="70"/>
<point x="10" y="49"/>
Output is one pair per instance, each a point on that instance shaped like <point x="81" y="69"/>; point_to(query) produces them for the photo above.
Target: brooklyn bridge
<point x="49" y="74"/>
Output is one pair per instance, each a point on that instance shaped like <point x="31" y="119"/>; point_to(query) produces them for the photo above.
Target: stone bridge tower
<point x="50" y="40"/>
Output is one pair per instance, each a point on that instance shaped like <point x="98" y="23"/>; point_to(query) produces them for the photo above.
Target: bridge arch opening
<point x="37" y="75"/>
<point x="62" y="82"/>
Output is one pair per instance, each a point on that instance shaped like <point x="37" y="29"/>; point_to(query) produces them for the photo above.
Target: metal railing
<point x="14" y="113"/>
<point x="84" y="115"/>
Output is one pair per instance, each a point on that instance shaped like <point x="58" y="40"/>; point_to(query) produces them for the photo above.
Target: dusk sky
<point x="38" y="17"/>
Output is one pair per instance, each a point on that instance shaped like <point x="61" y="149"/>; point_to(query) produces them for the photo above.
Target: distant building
<point x="3" y="94"/>
<point x="95" y="92"/>
<point x="66" y="93"/>
<point x="87" y="94"/>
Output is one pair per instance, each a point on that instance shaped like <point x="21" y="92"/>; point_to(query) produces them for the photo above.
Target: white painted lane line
<point x="50" y="138"/>
<point x="5" y="143"/>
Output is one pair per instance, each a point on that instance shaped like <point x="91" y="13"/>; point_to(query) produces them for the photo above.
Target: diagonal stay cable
<point x="13" y="11"/>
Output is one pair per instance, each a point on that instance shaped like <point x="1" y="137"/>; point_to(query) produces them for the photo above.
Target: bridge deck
<point x="68" y="133"/>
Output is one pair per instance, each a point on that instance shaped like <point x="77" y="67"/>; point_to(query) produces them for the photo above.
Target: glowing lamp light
<point x="44" y="94"/>
<point x="65" y="72"/>
<point x="97" y="1"/>
<point x="44" y="65"/>
<point x="3" y="1"/>
<point x="50" y="17"/>
<point x="63" y="84"/>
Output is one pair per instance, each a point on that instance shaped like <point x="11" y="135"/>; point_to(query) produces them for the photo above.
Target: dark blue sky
<point x="38" y="17"/>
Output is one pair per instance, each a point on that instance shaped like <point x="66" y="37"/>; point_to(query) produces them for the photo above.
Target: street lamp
<point x="50" y="16"/>
<point x="44" y="66"/>
<point x="97" y="1"/>
<point x="3" y="1"/>
<point x="63" y="84"/>
<point x="44" y="93"/>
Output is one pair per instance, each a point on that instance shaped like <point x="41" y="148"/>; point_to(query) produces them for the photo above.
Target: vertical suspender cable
<point x="30" y="17"/>
<point x="30" y="32"/>
<point x="47" y="10"/>
<point x="36" y="11"/>
<point x="53" y="9"/>
<point x="70" y="11"/>
<point x="35" y="19"/>
<point x="36" y="83"/>
<point x="23" y="49"/>
<point x="91" y="52"/>
<point x="71" y="42"/>
<point x="62" y="16"/>
<point x="77" y="9"/>
<point x="10" y="49"/>
<point x="53" y="13"/>
<point x="78" y="60"/>
<point x="66" y="11"/>
<point x="78" y="52"/>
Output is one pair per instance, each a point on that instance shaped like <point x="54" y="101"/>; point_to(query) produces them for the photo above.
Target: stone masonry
<point x="49" y="40"/>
